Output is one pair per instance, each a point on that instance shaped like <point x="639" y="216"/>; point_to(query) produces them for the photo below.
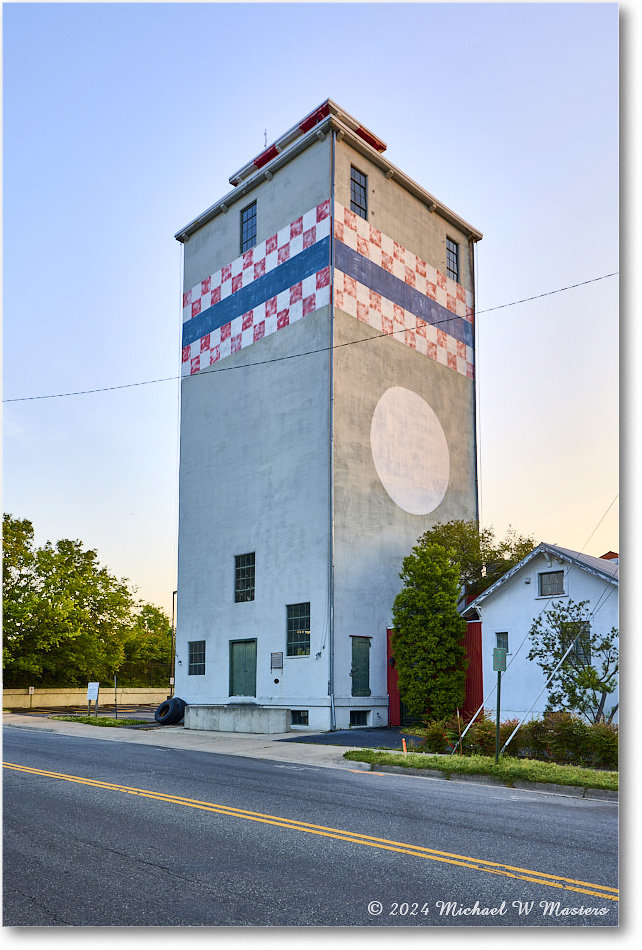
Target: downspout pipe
<point x="477" y="461"/>
<point x="333" y="717"/>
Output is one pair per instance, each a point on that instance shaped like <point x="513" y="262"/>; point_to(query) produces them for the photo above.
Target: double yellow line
<point x="417" y="851"/>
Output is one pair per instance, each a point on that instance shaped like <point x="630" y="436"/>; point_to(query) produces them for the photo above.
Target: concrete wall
<point x="255" y="445"/>
<point x="52" y="698"/>
<point x="237" y="719"/>
<point x="404" y="414"/>
<point x="513" y="609"/>
<point x="254" y="470"/>
<point x="254" y="478"/>
<point x="373" y="533"/>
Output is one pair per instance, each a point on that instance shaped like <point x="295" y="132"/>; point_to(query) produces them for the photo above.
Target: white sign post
<point x="92" y="693"/>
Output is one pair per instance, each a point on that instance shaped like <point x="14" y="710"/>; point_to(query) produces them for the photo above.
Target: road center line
<point x="418" y="851"/>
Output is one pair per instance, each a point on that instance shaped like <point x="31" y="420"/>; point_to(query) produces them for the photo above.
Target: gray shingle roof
<point x="602" y="567"/>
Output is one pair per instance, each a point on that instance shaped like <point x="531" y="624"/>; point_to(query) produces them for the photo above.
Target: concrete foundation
<point x="241" y="718"/>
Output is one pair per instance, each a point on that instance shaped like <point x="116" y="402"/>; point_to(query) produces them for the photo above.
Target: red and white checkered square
<point x="266" y="318"/>
<point x="372" y="244"/>
<point x="369" y="307"/>
<point x="306" y="230"/>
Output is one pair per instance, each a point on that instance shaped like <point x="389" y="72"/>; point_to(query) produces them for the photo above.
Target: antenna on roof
<point x="265" y="141"/>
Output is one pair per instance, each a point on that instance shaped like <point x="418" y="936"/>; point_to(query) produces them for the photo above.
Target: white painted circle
<point x="410" y="451"/>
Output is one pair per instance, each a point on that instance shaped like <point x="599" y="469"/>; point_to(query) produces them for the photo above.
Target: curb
<point x="569" y="791"/>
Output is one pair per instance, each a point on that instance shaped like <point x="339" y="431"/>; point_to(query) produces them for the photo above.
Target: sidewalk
<point x="223" y="743"/>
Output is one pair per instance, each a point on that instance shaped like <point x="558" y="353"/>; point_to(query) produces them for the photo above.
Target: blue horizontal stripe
<point x="292" y="271"/>
<point x="396" y="290"/>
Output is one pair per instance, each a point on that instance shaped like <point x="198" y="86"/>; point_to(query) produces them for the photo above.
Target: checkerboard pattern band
<point x="287" y="277"/>
<point x="264" y="290"/>
<point x="388" y="287"/>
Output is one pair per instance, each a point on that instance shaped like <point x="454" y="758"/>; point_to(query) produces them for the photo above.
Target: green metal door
<point x="242" y="667"/>
<point x="360" y="671"/>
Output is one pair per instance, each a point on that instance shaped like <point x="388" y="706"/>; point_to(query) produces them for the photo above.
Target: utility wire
<point x="549" y="293"/>
<point x="168" y="379"/>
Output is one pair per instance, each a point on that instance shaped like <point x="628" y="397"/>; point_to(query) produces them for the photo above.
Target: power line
<point x="549" y="293"/>
<point x="278" y="359"/>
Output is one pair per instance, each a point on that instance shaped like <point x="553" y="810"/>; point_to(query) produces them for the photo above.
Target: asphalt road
<point x="147" y="836"/>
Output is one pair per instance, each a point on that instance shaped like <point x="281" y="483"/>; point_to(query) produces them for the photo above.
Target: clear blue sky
<point x="124" y="121"/>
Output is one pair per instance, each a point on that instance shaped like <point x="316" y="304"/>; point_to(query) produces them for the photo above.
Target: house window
<point x="501" y="641"/>
<point x="244" y="578"/>
<point x="580" y="632"/>
<point x="196" y="658"/>
<point x="298" y="630"/>
<point x="358" y="192"/>
<point x="551" y="583"/>
<point x="248" y="227"/>
<point x="452" y="259"/>
<point x="300" y="717"/>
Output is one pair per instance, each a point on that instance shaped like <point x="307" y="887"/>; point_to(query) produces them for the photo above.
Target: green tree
<point x="19" y="600"/>
<point x="481" y="557"/>
<point x="148" y="649"/>
<point x="428" y="648"/>
<point x="66" y="618"/>
<point x="588" y="675"/>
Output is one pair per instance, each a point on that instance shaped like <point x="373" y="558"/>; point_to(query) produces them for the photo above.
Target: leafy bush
<point x="602" y="745"/>
<point x="558" y="737"/>
<point x="435" y="736"/>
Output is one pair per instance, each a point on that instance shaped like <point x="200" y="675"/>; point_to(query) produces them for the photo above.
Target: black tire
<point x="170" y="712"/>
<point x="181" y="704"/>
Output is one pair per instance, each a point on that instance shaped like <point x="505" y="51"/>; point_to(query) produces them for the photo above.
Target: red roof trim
<point x="310" y="121"/>
<point x="370" y="139"/>
<point x="266" y="156"/>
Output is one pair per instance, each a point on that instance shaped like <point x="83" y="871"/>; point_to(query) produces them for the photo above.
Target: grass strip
<point x="102" y="720"/>
<point x="508" y="770"/>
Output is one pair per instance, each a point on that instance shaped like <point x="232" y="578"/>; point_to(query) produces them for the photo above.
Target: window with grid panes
<point x="298" y="630"/>
<point x="551" y="583"/>
<point x="196" y="658"/>
<point x="580" y="632"/>
<point x="248" y="227"/>
<point x="452" y="259"/>
<point x="358" y="192"/>
<point x="244" y="577"/>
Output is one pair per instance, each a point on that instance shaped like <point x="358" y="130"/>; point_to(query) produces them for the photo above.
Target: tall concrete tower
<point x="327" y="421"/>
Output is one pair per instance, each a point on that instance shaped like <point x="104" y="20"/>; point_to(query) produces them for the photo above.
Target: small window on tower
<point x="244" y="577"/>
<point x="358" y="192"/>
<point x="452" y="259"/>
<point x="248" y="227"/>
<point x="298" y="630"/>
<point x="196" y="665"/>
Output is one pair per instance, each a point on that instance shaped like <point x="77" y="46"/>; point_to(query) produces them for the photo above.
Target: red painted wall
<point x="394" y="702"/>
<point x="474" y="676"/>
<point x="474" y="673"/>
